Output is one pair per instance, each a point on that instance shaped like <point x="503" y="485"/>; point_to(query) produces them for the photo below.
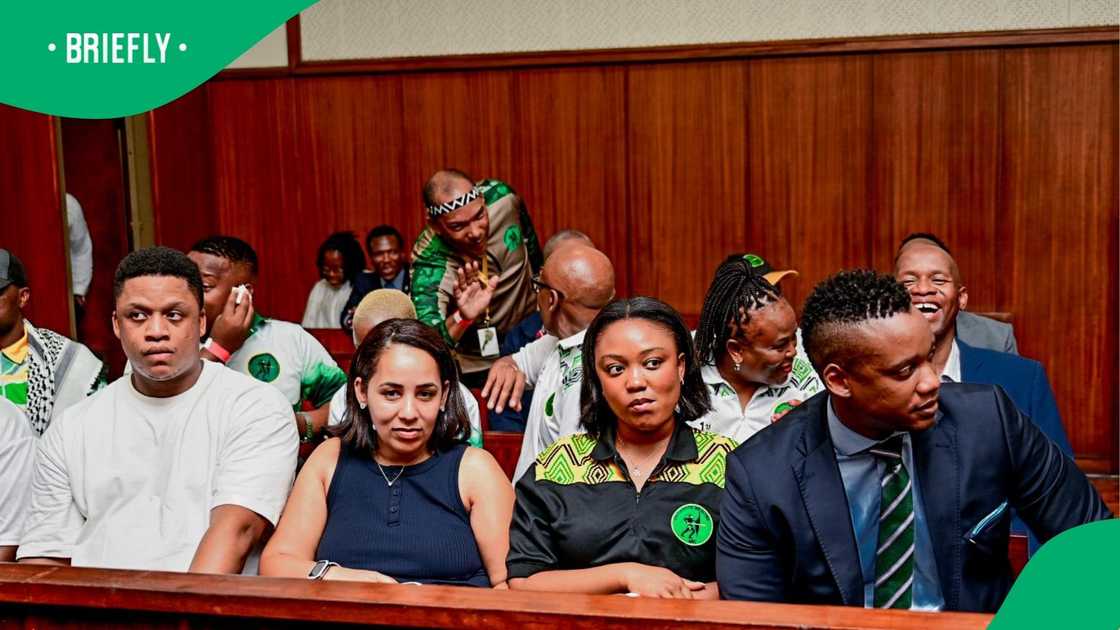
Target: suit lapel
<point x="936" y="458"/>
<point x="970" y="362"/>
<point x="822" y="490"/>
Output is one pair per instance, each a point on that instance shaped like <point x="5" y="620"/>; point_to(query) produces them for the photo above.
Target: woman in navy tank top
<point x="398" y="496"/>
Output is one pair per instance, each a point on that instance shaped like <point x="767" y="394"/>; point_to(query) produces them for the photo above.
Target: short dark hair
<point x="439" y="181"/>
<point x="842" y="301"/>
<point x="231" y="248"/>
<point x="923" y="236"/>
<point x="356" y="430"/>
<point x="345" y="243"/>
<point x="158" y="261"/>
<point x="596" y="412"/>
<point x="380" y="231"/>
<point x="736" y="290"/>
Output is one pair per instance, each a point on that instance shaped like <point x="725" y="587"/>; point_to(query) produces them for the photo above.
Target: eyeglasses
<point x="538" y="285"/>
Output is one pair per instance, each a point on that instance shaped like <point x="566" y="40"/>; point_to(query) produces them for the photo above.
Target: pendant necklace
<point x="394" y="480"/>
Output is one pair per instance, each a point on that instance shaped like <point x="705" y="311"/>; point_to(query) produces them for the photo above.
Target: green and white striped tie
<point x="894" y="555"/>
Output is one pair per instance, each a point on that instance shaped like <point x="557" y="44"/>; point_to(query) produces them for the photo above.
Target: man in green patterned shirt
<point x="472" y="266"/>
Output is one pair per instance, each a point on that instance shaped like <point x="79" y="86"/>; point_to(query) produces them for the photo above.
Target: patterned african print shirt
<point x="512" y="251"/>
<point x="577" y="507"/>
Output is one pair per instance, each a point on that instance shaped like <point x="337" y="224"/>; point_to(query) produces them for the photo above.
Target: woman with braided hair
<point x="748" y="345"/>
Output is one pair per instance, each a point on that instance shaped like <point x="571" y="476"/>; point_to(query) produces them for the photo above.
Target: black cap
<point x="11" y="270"/>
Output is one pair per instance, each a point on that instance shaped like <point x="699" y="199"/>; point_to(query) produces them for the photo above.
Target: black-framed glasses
<point x="539" y="285"/>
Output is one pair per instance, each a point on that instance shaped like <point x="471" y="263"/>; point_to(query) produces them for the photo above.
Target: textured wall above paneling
<point x="364" y="29"/>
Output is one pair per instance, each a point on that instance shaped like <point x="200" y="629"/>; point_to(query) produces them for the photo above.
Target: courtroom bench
<point x="35" y="596"/>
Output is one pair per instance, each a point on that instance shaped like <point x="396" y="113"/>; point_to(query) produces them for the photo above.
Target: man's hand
<point x="231" y="328"/>
<point x="505" y="384"/>
<point x="472" y="296"/>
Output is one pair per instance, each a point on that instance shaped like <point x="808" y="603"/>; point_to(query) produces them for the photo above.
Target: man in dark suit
<point x="385" y="247"/>
<point x="890" y="489"/>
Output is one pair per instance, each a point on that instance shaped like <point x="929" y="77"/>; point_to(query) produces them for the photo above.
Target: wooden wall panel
<point x="32" y="219"/>
<point x="936" y="162"/>
<point x="809" y="137"/>
<point x="1060" y="199"/>
<point x="179" y="136"/>
<point x="256" y="167"/>
<point x="91" y="152"/>
<point x="687" y="176"/>
<point x="569" y="148"/>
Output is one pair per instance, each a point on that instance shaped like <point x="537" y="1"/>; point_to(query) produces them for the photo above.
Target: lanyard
<point x="485" y="282"/>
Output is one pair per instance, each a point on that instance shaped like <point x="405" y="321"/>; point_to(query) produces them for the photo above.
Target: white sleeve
<point x="257" y="461"/>
<point x="53" y="520"/>
<point x="338" y="408"/>
<point x="17" y="466"/>
<point x="531" y="358"/>
<point x="81" y="247"/>
<point x="471" y="403"/>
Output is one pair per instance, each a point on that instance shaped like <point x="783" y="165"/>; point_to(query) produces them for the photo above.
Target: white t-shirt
<point x="338" y="409"/>
<point x="325" y="305"/>
<point x="290" y="359"/>
<point x="17" y="463"/>
<point x="727" y="416"/>
<point x="554" y="369"/>
<point x="952" y="370"/>
<point x="127" y="481"/>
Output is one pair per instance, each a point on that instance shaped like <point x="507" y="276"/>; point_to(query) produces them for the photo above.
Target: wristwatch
<point x="320" y="569"/>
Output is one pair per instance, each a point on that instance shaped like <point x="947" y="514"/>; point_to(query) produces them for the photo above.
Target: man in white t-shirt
<point x="375" y="307"/>
<point x="576" y="282"/>
<point x="276" y="352"/>
<point x="17" y="463"/>
<point x="181" y="465"/>
<point x="750" y="350"/>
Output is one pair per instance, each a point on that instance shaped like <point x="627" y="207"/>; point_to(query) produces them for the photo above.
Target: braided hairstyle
<point x="842" y="301"/>
<point x="736" y="290"/>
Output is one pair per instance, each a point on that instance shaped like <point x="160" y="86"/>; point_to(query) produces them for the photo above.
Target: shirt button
<point x="393" y="509"/>
<point x="396" y="491"/>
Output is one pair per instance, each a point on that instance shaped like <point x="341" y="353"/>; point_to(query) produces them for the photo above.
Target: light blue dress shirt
<point x="397" y="282"/>
<point x="861" y="472"/>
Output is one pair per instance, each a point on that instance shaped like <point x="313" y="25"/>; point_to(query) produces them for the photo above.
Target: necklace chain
<point x="637" y="470"/>
<point x="399" y="473"/>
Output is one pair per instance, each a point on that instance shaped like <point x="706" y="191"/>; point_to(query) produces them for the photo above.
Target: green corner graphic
<point x="112" y="59"/>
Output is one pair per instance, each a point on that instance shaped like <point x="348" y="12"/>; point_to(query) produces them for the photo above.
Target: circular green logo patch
<point x="512" y="238"/>
<point x="264" y="367"/>
<point x="692" y="524"/>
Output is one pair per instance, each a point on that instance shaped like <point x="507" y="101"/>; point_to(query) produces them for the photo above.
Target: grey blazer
<point x="983" y="332"/>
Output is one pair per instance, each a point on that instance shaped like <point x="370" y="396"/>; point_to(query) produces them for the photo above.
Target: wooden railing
<point x="34" y="596"/>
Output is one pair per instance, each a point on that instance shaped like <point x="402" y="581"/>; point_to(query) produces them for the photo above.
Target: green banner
<point x="85" y="59"/>
<point x="1070" y="583"/>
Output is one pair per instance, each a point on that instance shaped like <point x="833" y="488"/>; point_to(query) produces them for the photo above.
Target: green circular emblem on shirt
<point x="512" y="237"/>
<point x="264" y="367"/>
<point x="692" y="524"/>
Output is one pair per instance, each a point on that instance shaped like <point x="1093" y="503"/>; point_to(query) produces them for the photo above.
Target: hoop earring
<point x="362" y="406"/>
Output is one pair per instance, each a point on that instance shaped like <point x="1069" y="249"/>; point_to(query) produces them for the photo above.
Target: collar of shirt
<point x="682" y="445"/>
<point x="397" y="282"/>
<point x="846" y="441"/>
<point x="952" y="370"/>
<point x="567" y="343"/>
<point x="257" y="323"/>
<point x="711" y="376"/>
<point x="17" y="352"/>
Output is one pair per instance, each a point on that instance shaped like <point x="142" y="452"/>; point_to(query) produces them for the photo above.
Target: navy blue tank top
<point x="417" y="530"/>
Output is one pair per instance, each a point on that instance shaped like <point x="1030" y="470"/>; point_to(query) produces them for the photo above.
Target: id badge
<point x="488" y="341"/>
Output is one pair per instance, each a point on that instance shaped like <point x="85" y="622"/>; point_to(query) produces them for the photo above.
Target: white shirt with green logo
<point x="554" y="370"/>
<point x="289" y="358"/>
<point x="730" y="419"/>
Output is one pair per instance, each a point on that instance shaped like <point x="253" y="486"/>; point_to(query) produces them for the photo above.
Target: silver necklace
<point x="401" y="472"/>
<point x="637" y="470"/>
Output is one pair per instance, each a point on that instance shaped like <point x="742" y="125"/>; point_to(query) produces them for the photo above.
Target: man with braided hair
<point x="748" y="346"/>
<point x="891" y="489"/>
<point x="472" y="266"/>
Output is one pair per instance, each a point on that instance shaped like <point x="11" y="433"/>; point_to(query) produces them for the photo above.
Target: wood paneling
<point x="936" y="161"/>
<point x="91" y="151"/>
<point x="179" y="136"/>
<point x="64" y="597"/>
<point x="32" y="219"/>
<point x="817" y="161"/>
<point x="569" y="148"/>
<point x="809" y="137"/>
<point x="687" y="176"/>
<point x="1060" y="199"/>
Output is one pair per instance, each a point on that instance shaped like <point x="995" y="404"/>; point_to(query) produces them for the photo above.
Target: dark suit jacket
<point x="1024" y="381"/>
<point x="363" y="283"/>
<point x="785" y="533"/>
